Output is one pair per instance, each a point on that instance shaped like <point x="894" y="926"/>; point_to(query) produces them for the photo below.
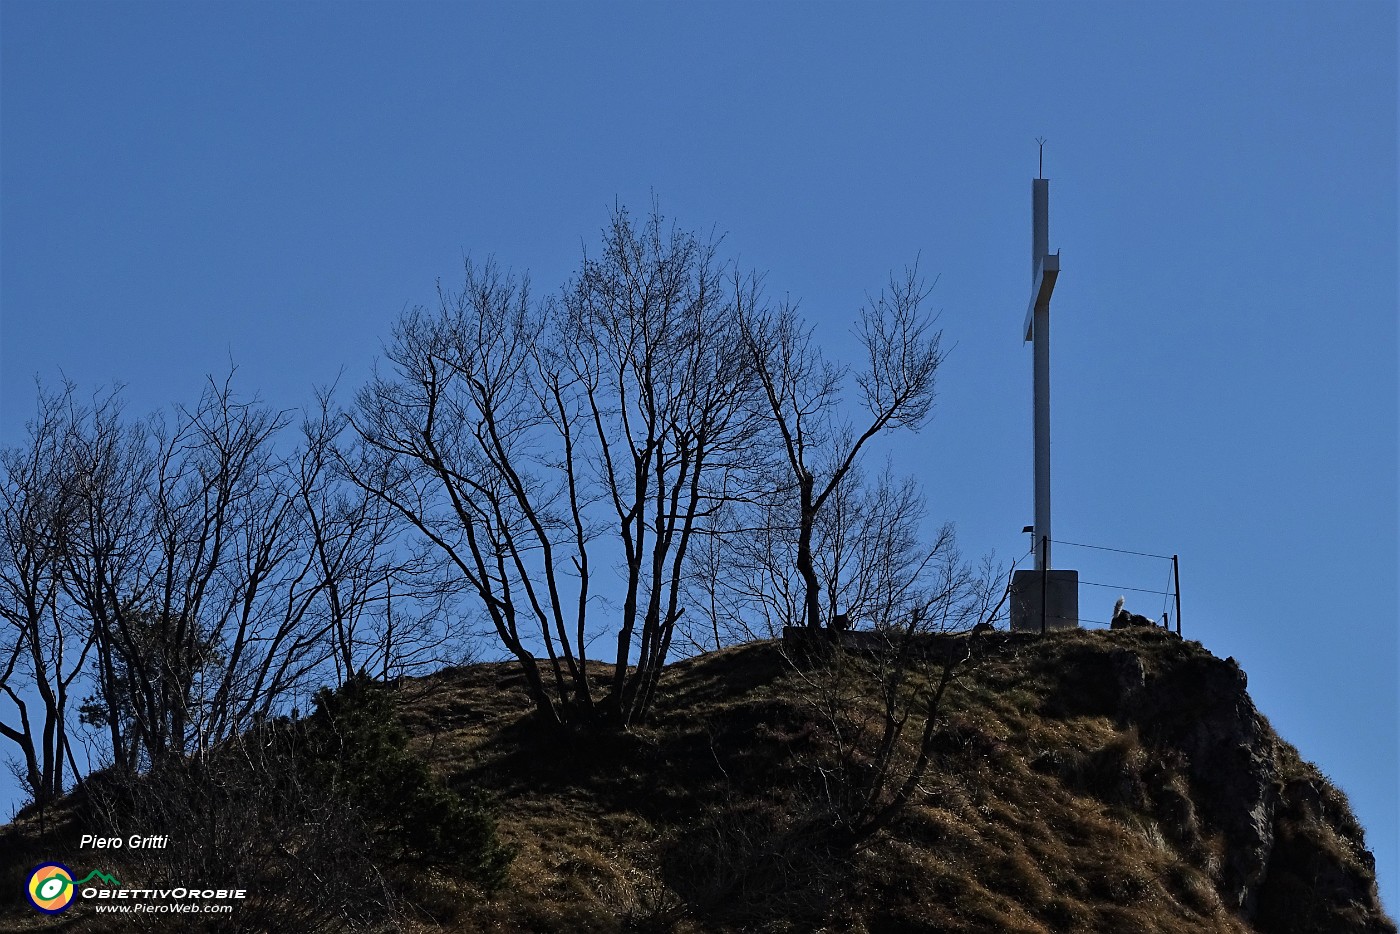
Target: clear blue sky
<point x="187" y="183"/>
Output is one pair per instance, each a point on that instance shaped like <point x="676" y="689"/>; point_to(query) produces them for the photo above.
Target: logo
<point x="51" y="886"/>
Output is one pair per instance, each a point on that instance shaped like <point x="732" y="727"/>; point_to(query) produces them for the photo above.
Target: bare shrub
<point x="245" y="819"/>
<point x="327" y="822"/>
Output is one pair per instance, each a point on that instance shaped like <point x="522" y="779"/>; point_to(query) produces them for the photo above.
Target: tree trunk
<point x="805" y="567"/>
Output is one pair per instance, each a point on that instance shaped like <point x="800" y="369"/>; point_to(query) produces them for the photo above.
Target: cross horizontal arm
<point x="1045" y="275"/>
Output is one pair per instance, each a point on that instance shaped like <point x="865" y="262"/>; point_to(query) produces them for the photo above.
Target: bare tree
<point x="869" y="554"/>
<point x="43" y="648"/>
<point x="103" y="548"/>
<point x="804" y="392"/>
<point x="655" y="329"/>
<point x="452" y="442"/>
<point x="218" y="572"/>
<point x="199" y="571"/>
<point x="533" y="442"/>
<point x="386" y="603"/>
<point x="177" y="528"/>
<point x="882" y="702"/>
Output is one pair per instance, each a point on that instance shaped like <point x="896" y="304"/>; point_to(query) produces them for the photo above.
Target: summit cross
<point x="1045" y="269"/>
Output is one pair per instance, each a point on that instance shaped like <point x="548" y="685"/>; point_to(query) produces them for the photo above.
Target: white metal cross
<point x="1045" y="269"/>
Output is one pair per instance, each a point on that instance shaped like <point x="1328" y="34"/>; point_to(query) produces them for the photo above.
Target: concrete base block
<point x="1061" y="600"/>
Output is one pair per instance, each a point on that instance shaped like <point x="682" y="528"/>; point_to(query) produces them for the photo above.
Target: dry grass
<point x="1044" y="811"/>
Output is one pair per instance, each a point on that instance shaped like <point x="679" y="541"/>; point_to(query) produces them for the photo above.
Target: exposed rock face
<point x="1201" y="708"/>
<point x="1198" y="709"/>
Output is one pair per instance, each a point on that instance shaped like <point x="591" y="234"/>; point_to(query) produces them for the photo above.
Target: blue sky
<point x="181" y="185"/>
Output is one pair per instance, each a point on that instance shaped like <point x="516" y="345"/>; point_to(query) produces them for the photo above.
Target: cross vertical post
<point x="1042" y="599"/>
<point x="1045" y="269"/>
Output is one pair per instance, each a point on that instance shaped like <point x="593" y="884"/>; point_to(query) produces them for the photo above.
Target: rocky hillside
<point x="1082" y="781"/>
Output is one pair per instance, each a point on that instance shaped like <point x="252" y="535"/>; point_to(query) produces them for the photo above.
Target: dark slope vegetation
<point x="1084" y="781"/>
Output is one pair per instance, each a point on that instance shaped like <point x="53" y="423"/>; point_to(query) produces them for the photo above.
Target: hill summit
<point x="1080" y="781"/>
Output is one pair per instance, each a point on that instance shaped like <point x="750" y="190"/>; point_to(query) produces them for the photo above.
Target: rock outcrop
<point x="1277" y="832"/>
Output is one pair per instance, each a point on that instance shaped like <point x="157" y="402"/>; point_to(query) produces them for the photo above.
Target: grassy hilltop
<point x="1084" y="781"/>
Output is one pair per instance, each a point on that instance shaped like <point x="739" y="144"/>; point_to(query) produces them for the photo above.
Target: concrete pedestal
<point x="1061" y="600"/>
